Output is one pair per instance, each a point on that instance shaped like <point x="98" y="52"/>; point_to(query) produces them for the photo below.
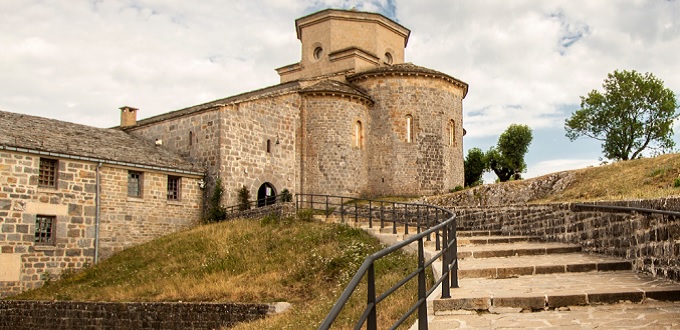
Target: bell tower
<point x="340" y="42"/>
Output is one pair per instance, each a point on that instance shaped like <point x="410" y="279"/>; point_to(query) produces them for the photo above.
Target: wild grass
<point x="305" y="263"/>
<point x="645" y="178"/>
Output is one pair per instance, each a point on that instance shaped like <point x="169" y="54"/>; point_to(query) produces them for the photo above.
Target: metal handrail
<point x="444" y="227"/>
<point x="234" y="209"/>
<point x="626" y="209"/>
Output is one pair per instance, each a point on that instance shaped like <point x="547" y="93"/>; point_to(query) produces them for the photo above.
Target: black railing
<point x="614" y="208"/>
<point x="427" y="220"/>
<point x="234" y="210"/>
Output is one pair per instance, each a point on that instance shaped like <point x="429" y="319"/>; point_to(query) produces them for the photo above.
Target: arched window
<point x="358" y="134"/>
<point x="452" y="132"/>
<point x="409" y="128"/>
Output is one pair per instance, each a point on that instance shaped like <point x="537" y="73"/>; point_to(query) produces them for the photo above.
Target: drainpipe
<point x="97" y="214"/>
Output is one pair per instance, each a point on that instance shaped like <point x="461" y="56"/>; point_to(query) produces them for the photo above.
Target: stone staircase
<point x="510" y="273"/>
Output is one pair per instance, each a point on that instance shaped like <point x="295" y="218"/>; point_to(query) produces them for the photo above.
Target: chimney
<point x="128" y="116"/>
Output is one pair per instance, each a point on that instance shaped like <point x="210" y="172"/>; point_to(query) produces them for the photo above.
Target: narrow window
<point x="134" y="184"/>
<point x="44" y="229"/>
<point x="191" y="138"/>
<point x="452" y="132"/>
<point x="47" y="172"/>
<point x="173" y="188"/>
<point x="409" y="128"/>
<point x="269" y="146"/>
<point x="358" y="135"/>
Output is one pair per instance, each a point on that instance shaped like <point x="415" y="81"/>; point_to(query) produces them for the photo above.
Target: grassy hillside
<point x="634" y="179"/>
<point x="304" y="263"/>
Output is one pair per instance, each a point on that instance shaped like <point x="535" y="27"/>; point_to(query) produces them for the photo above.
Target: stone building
<point x="351" y="118"/>
<point x="71" y="194"/>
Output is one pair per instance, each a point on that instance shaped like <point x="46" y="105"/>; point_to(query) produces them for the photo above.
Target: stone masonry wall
<point x="652" y="242"/>
<point x="72" y="202"/>
<point x="246" y="127"/>
<point x="428" y="164"/>
<point x="128" y="221"/>
<point x="333" y="164"/>
<point x="67" y="315"/>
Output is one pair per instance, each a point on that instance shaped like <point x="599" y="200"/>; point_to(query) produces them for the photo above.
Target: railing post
<point x="418" y="222"/>
<point x="311" y="202"/>
<point x="297" y="203"/>
<point x="370" y="214"/>
<point x="342" y="210"/>
<point x="406" y="220"/>
<point x="454" y="256"/>
<point x="422" y="287"/>
<point x="446" y="291"/>
<point x="427" y="221"/>
<point x="356" y="211"/>
<point x="438" y="245"/>
<point x="394" y="218"/>
<point x="327" y="207"/>
<point x="372" y="320"/>
<point x="382" y="215"/>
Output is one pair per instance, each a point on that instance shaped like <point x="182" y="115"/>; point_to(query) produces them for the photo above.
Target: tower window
<point x="269" y="146"/>
<point x="358" y="134"/>
<point x="452" y="132"/>
<point x="388" y="58"/>
<point x="318" y="52"/>
<point x="191" y="138"/>
<point x="409" y="128"/>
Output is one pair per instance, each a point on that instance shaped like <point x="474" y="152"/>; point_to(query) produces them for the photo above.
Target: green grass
<point x="307" y="264"/>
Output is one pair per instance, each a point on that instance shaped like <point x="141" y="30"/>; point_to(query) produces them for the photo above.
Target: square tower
<point x="345" y="41"/>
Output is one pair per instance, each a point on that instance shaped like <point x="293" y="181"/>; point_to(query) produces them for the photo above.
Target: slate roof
<point x="406" y="68"/>
<point x="335" y="86"/>
<point x="68" y="140"/>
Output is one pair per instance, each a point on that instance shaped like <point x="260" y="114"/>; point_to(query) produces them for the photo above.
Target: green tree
<point x="635" y="112"/>
<point x="474" y="167"/>
<point x="507" y="158"/>
<point x="216" y="212"/>
<point x="243" y="199"/>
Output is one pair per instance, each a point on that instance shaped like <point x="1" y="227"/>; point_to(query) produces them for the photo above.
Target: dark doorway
<point x="266" y="195"/>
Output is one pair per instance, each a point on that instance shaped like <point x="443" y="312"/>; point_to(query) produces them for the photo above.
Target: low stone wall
<point x="31" y="315"/>
<point x="651" y="241"/>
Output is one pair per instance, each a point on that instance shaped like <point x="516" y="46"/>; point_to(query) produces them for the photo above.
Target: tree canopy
<point x="507" y="158"/>
<point x="635" y="112"/>
<point x="474" y="167"/>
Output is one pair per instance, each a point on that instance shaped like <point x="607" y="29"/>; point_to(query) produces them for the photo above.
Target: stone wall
<point x="72" y="202"/>
<point x="333" y="163"/>
<point x="68" y="315"/>
<point x="129" y="221"/>
<point x="427" y="164"/>
<point x="651" y="241"/>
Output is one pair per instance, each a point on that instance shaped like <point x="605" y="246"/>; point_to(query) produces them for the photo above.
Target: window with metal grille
<point x="134" y="184"/>
<point x="173" y="188"/>
<point x="47" y="172"/>
<point x="44" y="229"/>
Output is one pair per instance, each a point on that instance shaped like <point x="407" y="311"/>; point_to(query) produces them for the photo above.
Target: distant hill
<point x="645" y="178"/>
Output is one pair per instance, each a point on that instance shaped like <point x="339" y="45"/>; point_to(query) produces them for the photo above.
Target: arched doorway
<point x="266" y="195"/>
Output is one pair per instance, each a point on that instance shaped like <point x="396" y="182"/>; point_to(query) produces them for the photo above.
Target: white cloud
<point x="558" y="165"/>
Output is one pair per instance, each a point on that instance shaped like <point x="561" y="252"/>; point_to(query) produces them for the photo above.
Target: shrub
<point x="243" y="199"/>
<point x="216" y="212"/>
<point x="286" y="196"/>
<point x="676" y="183"/>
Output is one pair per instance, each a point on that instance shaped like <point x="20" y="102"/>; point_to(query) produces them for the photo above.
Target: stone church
<point x="351" y="118"/>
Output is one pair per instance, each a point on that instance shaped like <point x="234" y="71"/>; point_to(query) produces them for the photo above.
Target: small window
<point x="47" y="173"/>
<point x="388" y="58"/>
<point x="191" y="138"/>
<point x="44" y="229"/>
<point x="269" y="146"/>
<point x="134" y="184"/>
<point x="452" y="132"/>
<point x="318" y="52"/>
<point x="358" y="134"/>
<point x="173" y="188"/>
<point x="409" y="128"/>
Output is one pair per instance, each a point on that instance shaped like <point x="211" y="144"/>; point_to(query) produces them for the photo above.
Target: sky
<point x="526" y="61"/>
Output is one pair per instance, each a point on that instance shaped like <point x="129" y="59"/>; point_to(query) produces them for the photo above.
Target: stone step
<point x="469" y="233"/>
<point x="475" y="240"/>
<point x="539" y="264"/>
<point x="550" y="291"/>
<point x="515" y="249"/>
